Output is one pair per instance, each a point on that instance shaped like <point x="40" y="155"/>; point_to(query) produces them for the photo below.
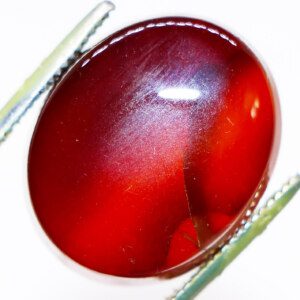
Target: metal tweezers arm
<point x="256" y="224"/>
<point x="51" y="69"/>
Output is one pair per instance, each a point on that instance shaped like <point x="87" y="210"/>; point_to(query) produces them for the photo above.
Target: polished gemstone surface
<point x="152" y="147"/>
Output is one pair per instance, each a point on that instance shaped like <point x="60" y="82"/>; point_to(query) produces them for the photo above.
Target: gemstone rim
<point x="251" y="204"/>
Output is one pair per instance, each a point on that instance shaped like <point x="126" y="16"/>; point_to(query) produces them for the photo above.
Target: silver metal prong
<point x="51" y="69"/>
<point x="248" y="232"/>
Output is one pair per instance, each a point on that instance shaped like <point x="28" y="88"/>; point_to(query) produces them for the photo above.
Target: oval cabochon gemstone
<point x="148" y="153"/>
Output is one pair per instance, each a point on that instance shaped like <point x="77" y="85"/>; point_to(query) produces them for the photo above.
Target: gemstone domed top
<point x="152" y="146"/>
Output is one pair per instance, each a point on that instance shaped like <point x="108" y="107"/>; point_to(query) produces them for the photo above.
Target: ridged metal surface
<point x="252" y="228"/>
<point x="51" y="69"/>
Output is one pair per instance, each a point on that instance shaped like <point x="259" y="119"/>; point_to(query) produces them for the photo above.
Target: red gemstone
<point x="150" y="150"/>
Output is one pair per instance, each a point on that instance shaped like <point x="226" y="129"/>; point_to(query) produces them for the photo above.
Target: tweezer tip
<point x="109" y="5"/>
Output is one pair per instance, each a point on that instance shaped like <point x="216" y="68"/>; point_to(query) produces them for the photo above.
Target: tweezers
<point x="51" y="71"/>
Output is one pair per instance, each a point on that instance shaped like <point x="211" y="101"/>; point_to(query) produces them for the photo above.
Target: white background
<point x="29" y="266"/>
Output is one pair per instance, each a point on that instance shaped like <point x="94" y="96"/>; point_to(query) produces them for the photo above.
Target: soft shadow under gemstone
<point x="152" y="146"/>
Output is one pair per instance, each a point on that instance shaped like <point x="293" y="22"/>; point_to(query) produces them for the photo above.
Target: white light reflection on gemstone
<point x="180" y="93"/>
<point x="254" y="108"/>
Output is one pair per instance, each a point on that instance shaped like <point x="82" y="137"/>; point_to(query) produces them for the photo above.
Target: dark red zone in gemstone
<point x="151" y="146"/>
